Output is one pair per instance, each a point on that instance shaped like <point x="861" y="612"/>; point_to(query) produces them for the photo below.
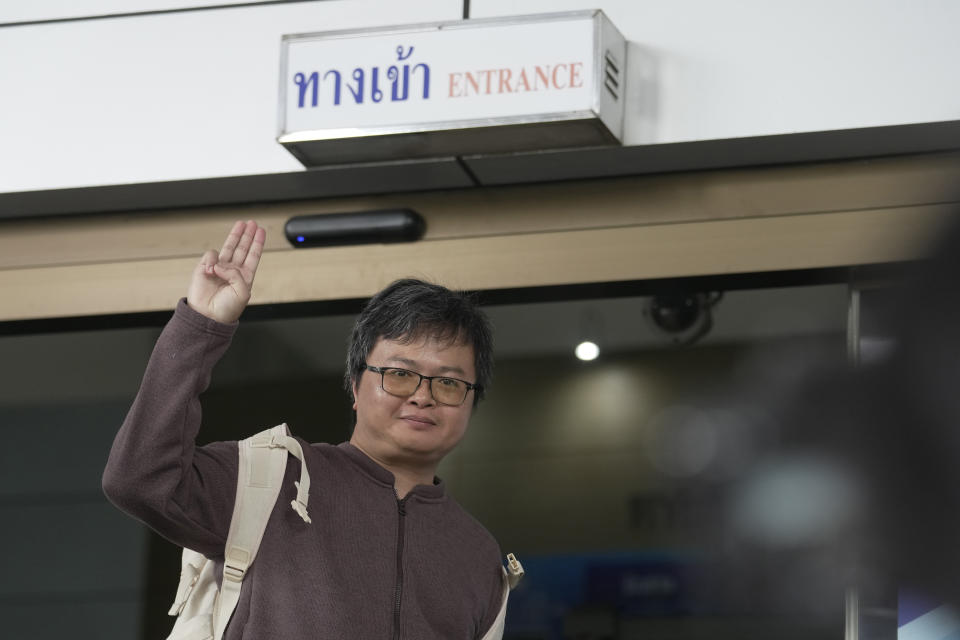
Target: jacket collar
<point x="434" y="491"/>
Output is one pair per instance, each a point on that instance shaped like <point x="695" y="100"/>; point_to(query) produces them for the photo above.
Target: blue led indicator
<point x="299" y="238"/>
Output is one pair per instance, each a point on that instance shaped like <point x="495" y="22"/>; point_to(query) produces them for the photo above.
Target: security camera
<point x="683" y="317"/>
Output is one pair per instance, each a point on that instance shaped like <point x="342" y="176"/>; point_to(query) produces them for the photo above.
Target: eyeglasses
<point x="404" y="383"/>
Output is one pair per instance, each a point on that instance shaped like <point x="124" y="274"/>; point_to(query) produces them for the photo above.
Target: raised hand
<point x="221" y="283"/>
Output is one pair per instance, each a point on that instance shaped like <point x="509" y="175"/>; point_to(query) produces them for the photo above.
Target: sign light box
<point x="452" y="88"/>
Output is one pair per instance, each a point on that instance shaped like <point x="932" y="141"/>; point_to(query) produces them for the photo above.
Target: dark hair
<point x="410" y="309"/>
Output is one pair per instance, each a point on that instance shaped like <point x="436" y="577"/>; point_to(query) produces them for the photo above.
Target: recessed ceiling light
<point x="587" y="351"/>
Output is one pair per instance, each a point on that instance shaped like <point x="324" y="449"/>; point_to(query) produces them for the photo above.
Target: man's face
<point x="413" y="429"/>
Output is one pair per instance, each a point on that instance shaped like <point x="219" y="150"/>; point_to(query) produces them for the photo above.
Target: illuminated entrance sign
<point x="452" y="88"/>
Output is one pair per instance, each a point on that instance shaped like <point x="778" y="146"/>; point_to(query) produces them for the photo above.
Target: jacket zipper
<point x="402" y="511"/>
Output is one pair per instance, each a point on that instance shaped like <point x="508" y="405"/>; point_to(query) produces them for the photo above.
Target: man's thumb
<point x="208" y="261"/>
<point x="231" y="275"/>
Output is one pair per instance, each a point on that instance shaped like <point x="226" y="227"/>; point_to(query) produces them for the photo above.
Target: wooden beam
<point x="542" y="258"/>
<point x="581" y="205"/>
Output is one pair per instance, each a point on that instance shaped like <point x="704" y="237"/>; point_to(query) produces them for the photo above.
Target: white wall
<point x="160" y="97"/>
<point x="194" y="94"/>
<point x="14" y="11"/>
<point x="743" y="68"/>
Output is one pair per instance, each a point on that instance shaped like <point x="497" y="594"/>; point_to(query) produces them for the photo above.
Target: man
<point x="389" y="554"/>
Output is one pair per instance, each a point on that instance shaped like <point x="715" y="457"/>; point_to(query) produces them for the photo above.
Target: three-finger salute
<point x="221" y="283"/>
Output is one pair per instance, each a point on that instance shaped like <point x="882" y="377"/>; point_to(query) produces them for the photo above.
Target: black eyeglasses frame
<point x="381" y="370"/>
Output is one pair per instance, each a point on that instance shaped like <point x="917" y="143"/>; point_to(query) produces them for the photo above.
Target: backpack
<point x="202" y="608"/>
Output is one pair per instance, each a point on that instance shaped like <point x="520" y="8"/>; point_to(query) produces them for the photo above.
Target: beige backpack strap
<point x="192" y="564"/>
<point x="512" y="574"/>
<point x="263" y="461"/>
<point x="299" y="504"/>
<point x="514" y="571"/>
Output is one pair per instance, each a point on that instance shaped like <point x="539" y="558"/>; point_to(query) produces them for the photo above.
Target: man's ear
<point x="353" y="389"/>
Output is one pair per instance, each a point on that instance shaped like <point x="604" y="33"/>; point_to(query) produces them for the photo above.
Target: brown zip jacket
<point x="370" y="566"/>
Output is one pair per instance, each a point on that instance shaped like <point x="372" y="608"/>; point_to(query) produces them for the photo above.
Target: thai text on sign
<point x="438" y="73"/>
